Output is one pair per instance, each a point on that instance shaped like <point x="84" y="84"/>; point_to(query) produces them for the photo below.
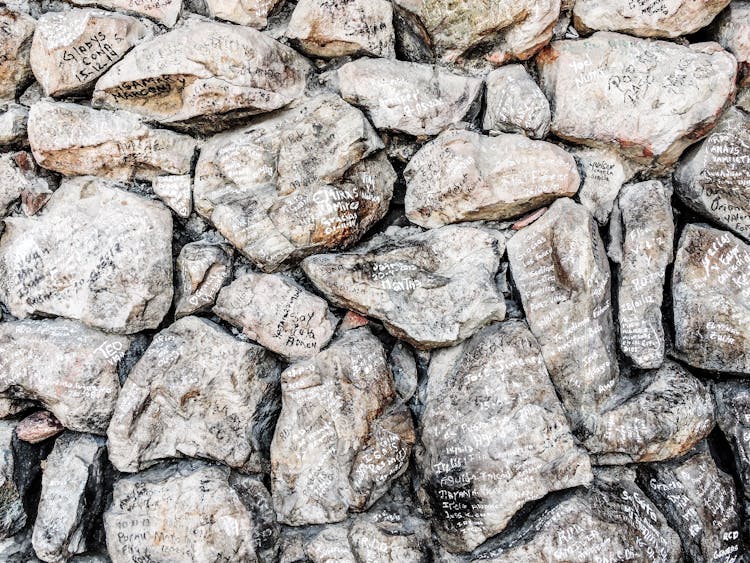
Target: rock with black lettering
<point x="18" y="176"/>
<point x="603" y="172"/>
<point x="307" y="180"/>
<point x="342" y="436"/>
<point x="96" y="253"/>
<point x="648" y="99"/>
<point x="432" y="289"/>
<point x="492" y="394"/>
<point x="515" y="103"/>
<point x="203" y="267"/>
<point x="13" y="120"/>
<point x="16" y="32"/>
<point x="252" y="13"/>
<point x="413" y="98"/>
<point x="460" y="176"/>
<point x="164" y="12"/>
<point x="733" y="417"/>
<point x="732" y="31"/>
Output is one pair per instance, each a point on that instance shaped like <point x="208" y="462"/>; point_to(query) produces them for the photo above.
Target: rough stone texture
<point x="96" y="254"/>
<point x="459" y="177"/>
<point x="203" y="267"/>
<point x="18" y="176"/>
<point x="176" y="192"/>
<point x="432" y="289"/>
<point x="16" y="31"/>
<point x="252" y="13"/>
<point x="196" y="392"/>
<point x="599" y="84"/>
<point x="412" y="98"/>
<point x="404" y="369"/>
<point x="19" y="463"/>
<point x="38" y="426"/>
<point x="515" y="103"/>
<point x="341" y="437"/>
<point x="733" y="417"/>
<point x="163" y="11"/>
<point x="603" y="172"/>
<point x="733" y="33"/>
<point x="13" y="119"/>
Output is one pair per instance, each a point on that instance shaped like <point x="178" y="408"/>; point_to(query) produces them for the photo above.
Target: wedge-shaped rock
<point x="294" y="184"/>
<point x="493" y="435"/>
<point x="72" y="49"/>
<point x="603" y="172"/>
<point x="515" y="103"/>
<point x="412" y="98"/>
<point x="711" y="296"/>
<point x="732" y="31"/>
<point x="465" y="176"/>
<point x="18" y="177"/>
<point x="16" y="32"/>
<point x="163" y="11"/>
<point x="96" y="253"/>
<point x="204" y="74"/>
<point x="597" y="87"/>
<point x="432" y="289"/>
<point x="341" y="437"/>
<point x="196" y="392"/>
<point x="202" y="269"/>
<point x="176" y="192"/>
<point x="19" y="465"/>
<point x="733" y="417"/>
<point x="190" y="511"/>
<point x="252" y="13"/>
<point x="38" y="426"/>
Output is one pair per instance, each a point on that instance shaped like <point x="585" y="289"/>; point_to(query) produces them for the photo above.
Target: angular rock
<point x="17" y="175"/>
<point x="404" y="369"/>
<point x="72" y="49"/>
<point x="96" y="253"/>
<point x="13" y="121"/>
<point x="163" y="11"/>
<point x="515" y="103"/>
<point x="18" y="549"/>
<point x="196" y="392"/>
<point x="432" y="289"/>
<point x="278" y="314"/>
<point x="252" y="13"/>
<point x="641" y="242"/>
<point x="296" y="183"/>
<point x="732" y="31"/>
<point x="603" y="172"/>
<point x="465" y="176"/>
<point x="732" y="399"/>
<point x="412" y="98"/>
<point x="599" y="84"/>
<point x="16" y="31"/>
<point x="203" y="267"/>
<point x="493" y="436"/>
<point x="204" y="74"/>
<point x="341" y="437"/>
<point x="12" y="489"/>
<point x="176" y="192"/>
<point x="38" y="426"/>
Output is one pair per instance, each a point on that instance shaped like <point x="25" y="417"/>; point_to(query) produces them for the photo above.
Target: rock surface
<point x="203" y="267"/>
<point x="733" y="417"/>
<point x="38" y="426"/>
<point x="603" y="172"/>
<point x="252" y="13"/>
<point x="515" y="103"/>
<point x="13" y="119"/>
<point x="733" y="33"/>
<point x="19" y="463"/>
<point x="17" y="177"/>
<point x="176" y="192"/>
<point x="16" y="32"/>
<point x="164" y="12"/>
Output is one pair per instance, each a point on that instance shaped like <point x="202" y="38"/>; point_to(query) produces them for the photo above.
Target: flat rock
<point x="96" y="253"/>
<point x="18" y="175"/>
<point x="341" y="437"/>
<point x="412" y="98"/>
<point x="19" y="464"/>
<point x="165" y="12"/>
<point x="603" y="172"/>
<point x="294" y="184"/>
<point x="597" y="85"/>
<point x="203" y="267"/>
<point x="732" y="399"/>
<point x="38" y="426"/>
<point x="432" y="289"/>
<point x="252" y="13"/>
<point x="16" y="32"/>
<point x="13" y="120"/>
<point x="515" y="103"/>
<point x="196" y="392"/>
<point x="465" y="176"/>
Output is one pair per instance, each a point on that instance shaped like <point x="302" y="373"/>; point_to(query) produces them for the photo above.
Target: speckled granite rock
<point x="203" y="267"/>
<point x="18" y="176"/>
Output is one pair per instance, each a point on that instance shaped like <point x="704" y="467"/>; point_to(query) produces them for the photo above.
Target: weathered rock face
<point x="16" y="31"/>
<point x="733" y="33"/>
<point x="68" y="368"/>
<point x="96" y="254"/>
<point x="163" y="11"/>
<point x="278" y="194"/>
<point x="19" y="463"/>
<point x="38" y="426"/>
<point x="597" y="85"/>
<point x="432" y="289"/>
<point x="190" y="511"/>
<point x="18" y="177"/>
<point x="710" y="292"/>
<point x="341" y="437"/>
<point x="203" y="267"/>
<point x="515" y="103"/>
<point x="488" y="395"/>
<point x="76" y="140"/>
<point x="603" y="172"/>
<point x="13" y="119"/>
<point x="196" y="392"/>
<point x="252" y="13"/>
<point x="465" y="176"/>
<point x="412" y="98"/>
<point x="733" y="417"/>
<point x="176" y="192"/>
<point x="204" y="74"/>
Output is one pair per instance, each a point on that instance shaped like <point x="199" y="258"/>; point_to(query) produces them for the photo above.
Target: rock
<point x="196" y="392"/>
<point x="96" y="253"/>
<point x="16" y="31"/>
<point x="296" y="183"/>
<point x="203" y="267"/>
<point x="19" y="465"/>
<point x="432" y="289"/>
<point x="278" y="314"/>
<point x="732" y="31"/>
<point x="13" y="119"/>
<point x="72" y="49"/>
<point x="163" y="11"/>
<point x="17" y="175"/>
<point x="494" y="436"/>
<point x="732" y="399"/>
<point x="176" y="192"/>
<point x="603" y="172"/>
<point x="190" y="511"/>
<point x="404" y="369"/>
<point x="412" y="98"/>
<point x="515" y="104"/>
<point x="204" y="75"/>
<point x="597" y="85"/>
<point x="646" y="19"/>
<point x="641" y="242"/>
<point x="72" y="496"/>
<point x="710" y="294"/>
<point x="465" y="176"/>
<point x="341" y="437"/>
<point x="343" y="27"/>
<point x="18" y="549"/>
<point x="38" y="426"/>
<point x="252" y="13"/>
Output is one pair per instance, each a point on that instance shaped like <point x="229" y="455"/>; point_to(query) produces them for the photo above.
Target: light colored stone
<point x="203" y="267"/>
<point x="38" y="427"/>
<point x="13" y="119"/>
<point x="16" y="31"/>
<point x="732" y="31"/>
<point x="252" y="13"/>
<point x="733" y="417"/>
<point x="515" y="103"/>
<point x="19" y="463"/>
<point x="165" y="12"/>
<point x="17" y="175"/>
<point x="176" y="192"/>
<point x="603" y="172"/>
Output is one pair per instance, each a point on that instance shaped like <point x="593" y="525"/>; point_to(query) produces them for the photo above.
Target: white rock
<point x="163" y="11"/>
<point x="515" y="103"/>
<point x="13" y="120"/>
<point x="176" y="192"/>
<point x="252" y="13"/>
<point x="17" y="176"/>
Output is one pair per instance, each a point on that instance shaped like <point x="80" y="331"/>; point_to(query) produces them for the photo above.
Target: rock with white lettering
<point x="733" y="417"/>
<point x="733" y="33"/>
<point x="19" y="465"/>
<point x="252" y="13"/>
<point x="18" y="175"/>
<point x="204" y="75"/>
<point x="176" y="192"/>
<point x="203" y="267"/>
<point x="466" y="176"/>
<point x="278" y="314"/>
<point x="16" y="32"/>
<point x="190" y="511"/>
<point x="641" y="242"/>
<point x="603" y="172"/>
<point x="649" y="99"/>
<point x="492" y="394"/>
<point x="515" y="103"/>
<point x="342" y="436"/>
<point x="165" y="12"/>
<point x="432" y="289"/>
<point x="96" y="253"/>
<point x="13" y="119"/>
<point x="412" y="98"/>
<point x="304" y="181"/>
<point x="196" y="392"/>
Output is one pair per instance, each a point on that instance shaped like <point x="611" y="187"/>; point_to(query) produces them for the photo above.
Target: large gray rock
<point x="19" y="464"/>
<point x="163" y="11"/>
<point x="599" y="85"/>
<point x="16" y="32"/>
<point x="515" y="103"/>
<point x="733" y="417"/>
<point x="465" y="176"/>
<point x="432" y="289"/>
<point x="203" y="267"/>
<point x="196" y="392"/>
<point x="96" y="254"/>
<point x="603" y="172"/>
<point x="252" y="13"/>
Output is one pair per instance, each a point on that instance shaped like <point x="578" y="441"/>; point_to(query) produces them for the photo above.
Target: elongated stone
<point x="38" y="426"/>
<point x="165" y="12"/>
<point x="19" y="464"/>
<point x="732" y="31"/>
<point x="16" y="32"/>
<point x="252" y="13"/>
